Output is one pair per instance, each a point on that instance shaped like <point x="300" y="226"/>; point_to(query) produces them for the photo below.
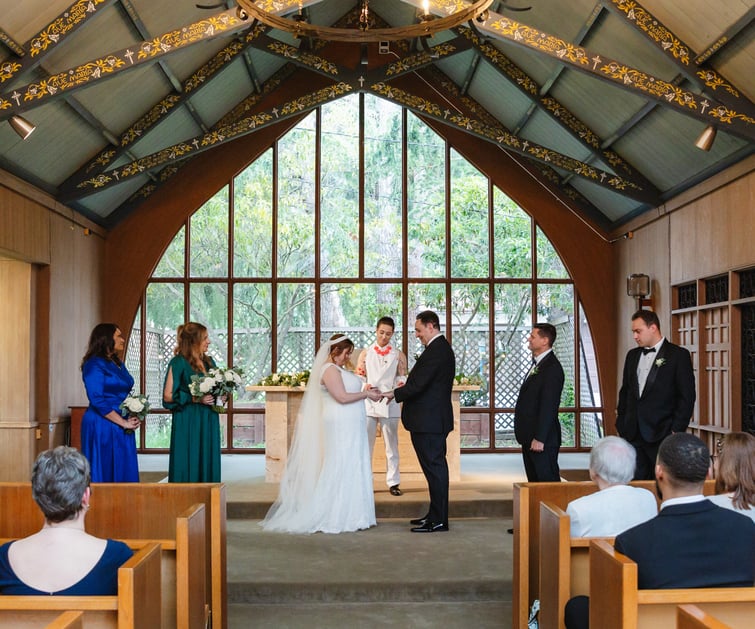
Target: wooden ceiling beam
<point x="138" y="24"/>
<point x="144" y="53"/>
<point x="50" y="38"/>
<point x="702" y="76"/>
<point x="728" y="36"/>
<point x="501" y="137"/>
<point x="554" y="109"/>
<point x="621" y="75"/>
<point x="219" y="135"/>
<point x="161" y="110"/>
<point x="553" y="78"/>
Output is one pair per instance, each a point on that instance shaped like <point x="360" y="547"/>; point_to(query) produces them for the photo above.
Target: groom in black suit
<point x="536" y="424"/>
<point x="427" y="414"/>
<point x="657" y="394"/>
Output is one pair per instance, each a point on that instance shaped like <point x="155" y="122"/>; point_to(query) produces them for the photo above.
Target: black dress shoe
<point x="396" y="491"/>
<point x="430" y="527"/>
<point x="419" y="521"/>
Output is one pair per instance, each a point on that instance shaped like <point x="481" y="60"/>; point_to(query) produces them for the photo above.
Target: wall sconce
<point x="706" y="139"/>
<point x="22" y="126"/>
<point x="638" y="286"/>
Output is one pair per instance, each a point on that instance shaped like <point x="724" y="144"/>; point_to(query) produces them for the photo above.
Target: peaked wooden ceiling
<point x="602" y="101"/>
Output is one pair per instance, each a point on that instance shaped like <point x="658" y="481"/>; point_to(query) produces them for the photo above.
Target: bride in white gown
<point x="327" y="485"/>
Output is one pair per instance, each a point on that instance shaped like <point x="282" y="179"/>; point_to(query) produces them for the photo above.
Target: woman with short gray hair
<point x="62" y="558"/>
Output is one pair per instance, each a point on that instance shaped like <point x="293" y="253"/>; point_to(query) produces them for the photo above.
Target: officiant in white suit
<point x="384" y="367"/>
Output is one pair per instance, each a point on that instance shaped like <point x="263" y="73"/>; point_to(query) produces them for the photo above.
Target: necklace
<point x="382" y="352"/>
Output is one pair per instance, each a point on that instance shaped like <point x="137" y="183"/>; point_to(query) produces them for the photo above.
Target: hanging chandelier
<point x="428" y="25"/>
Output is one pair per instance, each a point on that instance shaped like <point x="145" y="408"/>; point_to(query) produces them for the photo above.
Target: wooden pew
<point x="527" y="499"/>
<point x="692" y="617"/>
<point x="183" y="563"/>
<point x="138" y="511"/>
<point x="136" y="606"/>
<point x="67" y="620"/>
<point x="615" y="600"/>
<point x="564" y="565"/>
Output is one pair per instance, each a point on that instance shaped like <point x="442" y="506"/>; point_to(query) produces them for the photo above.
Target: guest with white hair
<point x="616" y="506"/>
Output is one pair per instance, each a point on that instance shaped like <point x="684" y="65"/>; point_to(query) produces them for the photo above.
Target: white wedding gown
<point x="340" y="498"/>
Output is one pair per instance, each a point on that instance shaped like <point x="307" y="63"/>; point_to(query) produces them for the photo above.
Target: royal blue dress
<point x="110" y="450"/>
<point x="102" y="580"/>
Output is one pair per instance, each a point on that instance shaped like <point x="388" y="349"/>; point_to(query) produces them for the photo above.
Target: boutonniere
<point x="659" y="362"/>
<point x="534" y="371"/>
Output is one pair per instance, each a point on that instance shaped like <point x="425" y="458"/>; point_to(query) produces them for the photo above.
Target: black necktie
<point x="648" y="350"/>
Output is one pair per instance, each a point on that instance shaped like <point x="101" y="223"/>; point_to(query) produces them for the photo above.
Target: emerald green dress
<point x="195" y="435"/>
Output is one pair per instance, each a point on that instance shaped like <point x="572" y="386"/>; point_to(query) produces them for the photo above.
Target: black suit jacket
<point x="426" y="396"/>
<point x="692" y="545"/>
<point x="667" y="401"/>
<point x="536" y="411"/>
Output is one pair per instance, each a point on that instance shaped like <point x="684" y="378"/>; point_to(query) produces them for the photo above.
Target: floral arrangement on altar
<point x="217" y="382"/>
<point x="285" y="379"/>
<point x="470" y="398"/>
<point x="474" y="379"/>
<point x="135" y="405"/>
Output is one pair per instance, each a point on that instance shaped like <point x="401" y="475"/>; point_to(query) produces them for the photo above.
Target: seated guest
<point x="61" y="558"/>
<point x="617" y="506"/>
<point x="735" y="474"/>
<point x="691" y="543"/>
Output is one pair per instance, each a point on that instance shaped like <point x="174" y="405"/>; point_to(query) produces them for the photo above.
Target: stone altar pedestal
<point x="282" y="406"/>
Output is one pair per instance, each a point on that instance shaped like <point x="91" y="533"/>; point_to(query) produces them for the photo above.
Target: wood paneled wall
<point x="707" y="231"/>
<point x="60" y="291"/>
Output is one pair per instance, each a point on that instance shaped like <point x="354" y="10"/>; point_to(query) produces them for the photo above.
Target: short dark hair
<point x="427" y="317"/>
<point x="685" y="458"/>
<point x="58" y="481"/>
<point x="546" y="330"/>
<point x="649" y="317"/>
<point x="386" y="321"/>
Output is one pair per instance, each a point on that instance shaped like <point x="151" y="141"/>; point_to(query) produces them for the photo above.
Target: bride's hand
<point x="374" y="394"/>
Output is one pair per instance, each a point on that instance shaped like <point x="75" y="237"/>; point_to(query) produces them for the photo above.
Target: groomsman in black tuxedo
<point x="427" y="414"/>
<point x="536" y="424"/>
<point x="657" y="394"/>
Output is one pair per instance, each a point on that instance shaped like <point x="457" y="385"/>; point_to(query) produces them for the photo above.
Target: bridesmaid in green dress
<point x="195" y="436"/>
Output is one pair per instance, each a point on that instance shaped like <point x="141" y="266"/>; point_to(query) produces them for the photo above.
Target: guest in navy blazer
<point x="428" y="415"/>
<point x="657" y="395"/>
<point x="536" y="424"/>
<point x="691" y="543"/>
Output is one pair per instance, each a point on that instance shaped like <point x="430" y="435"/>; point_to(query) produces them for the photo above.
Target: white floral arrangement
<point x="473" y="379"/>
<point x="135" y="405"/>
<point x="217" y="382"/>
<point x="659" y="362"/>
<point x="285" y="379"/>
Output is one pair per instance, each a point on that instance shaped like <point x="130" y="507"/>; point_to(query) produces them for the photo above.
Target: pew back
<point x="67" y="620"/>
<point x="615" y="600"/>
<point x="692" y="617"/>
<point x="138" y="511"/>
<point x="564" y="565"/>
<point x="137" y="604"/>
<point x="527" y="499"/>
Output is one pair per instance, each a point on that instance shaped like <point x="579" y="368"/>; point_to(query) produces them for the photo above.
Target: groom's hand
<point x="388" y="395"/>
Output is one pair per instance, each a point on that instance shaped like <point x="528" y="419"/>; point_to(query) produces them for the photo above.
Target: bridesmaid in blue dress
<point x="107" y="438"/>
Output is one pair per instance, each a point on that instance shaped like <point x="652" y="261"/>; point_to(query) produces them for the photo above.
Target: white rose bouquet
<point x="217" y="382"/>
<point x="135" y="405"/>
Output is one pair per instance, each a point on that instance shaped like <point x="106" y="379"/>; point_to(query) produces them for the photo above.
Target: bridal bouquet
<point x="217" y="382"/>
<point x="135" y="405"/>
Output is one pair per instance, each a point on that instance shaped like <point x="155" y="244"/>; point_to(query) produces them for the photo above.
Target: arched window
<point x="361" y="211"/>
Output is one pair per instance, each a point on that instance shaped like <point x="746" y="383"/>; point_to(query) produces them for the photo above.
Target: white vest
<point x="381" y="373"/>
